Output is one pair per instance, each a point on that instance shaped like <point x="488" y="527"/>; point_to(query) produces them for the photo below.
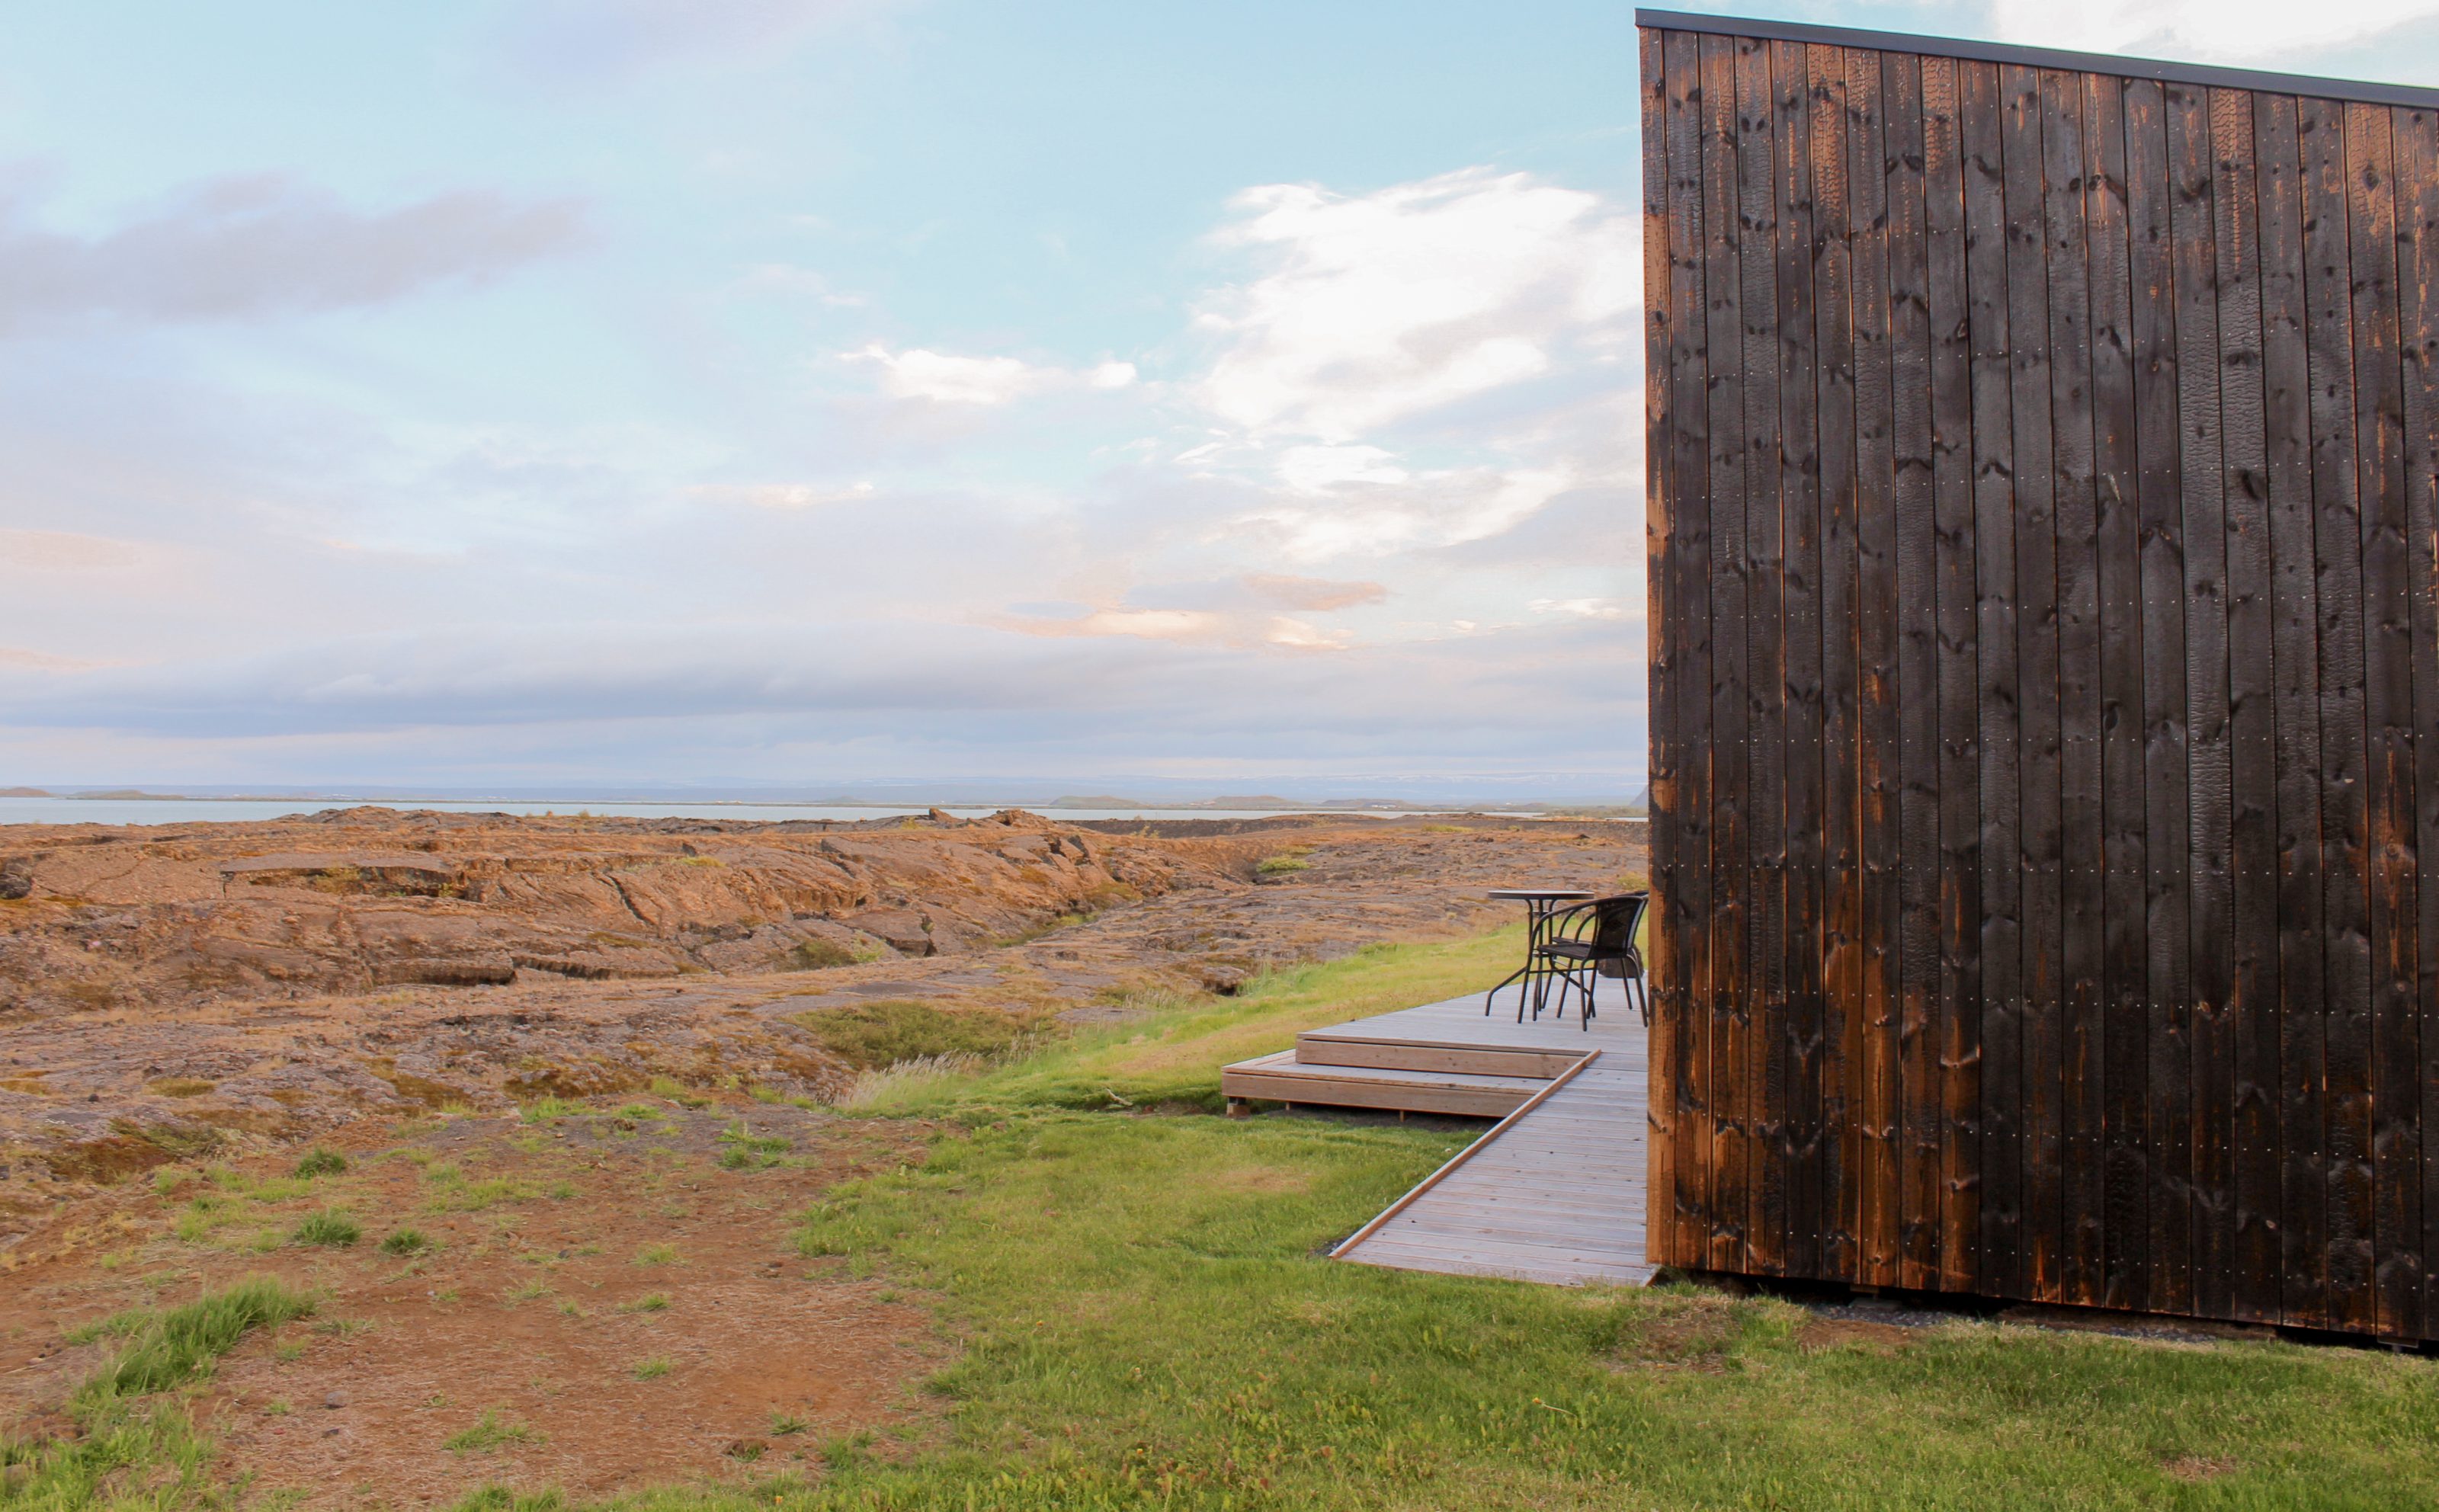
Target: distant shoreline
<point x="1262" y="805"/>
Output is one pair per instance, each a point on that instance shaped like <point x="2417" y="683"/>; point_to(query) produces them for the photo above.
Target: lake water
<point x="230" y="810"/>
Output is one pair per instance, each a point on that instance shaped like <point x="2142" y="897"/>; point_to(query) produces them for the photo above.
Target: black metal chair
<point x="1597" y="939"/>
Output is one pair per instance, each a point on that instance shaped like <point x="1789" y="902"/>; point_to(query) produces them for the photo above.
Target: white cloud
<point x="2252" y="30"/>
<point x="1320" y="469"/>
<point x="1313" y="594"/>
<point x="780" y="495"/>
<point x="1381" y="306"/>
<point x="1446" y="508"/>
<point x="943" y="379"/>
<point x="1184" y="625"/>
<point x="1580" y="608"/>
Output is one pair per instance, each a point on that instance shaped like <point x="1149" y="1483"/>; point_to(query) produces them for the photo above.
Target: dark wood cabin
<point x="2044" y="545"/>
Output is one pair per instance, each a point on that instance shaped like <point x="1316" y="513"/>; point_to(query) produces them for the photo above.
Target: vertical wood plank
<point x="2159" y="506"/>
<point x="2294" y="628"/>
<point x="1876" y="655"/>
<point x="2251" y="719"/>
<point x="2388" y="719"/>
<point x="2080" y="1094"/>
<point x="1987" y="250"/>
<point x="1798" y="1150"/>
<point x="2124" y="1173"/>
<point x="1660" y="558"/>
<point x="2037" y="672"/>
<point x="2417" y="187"/>
<point x="2345" y="928"/>
<point x="1840" y="1152"/>
<point x="1760" y="1068"/>
<point x="1731" y="700"/>
<point x="1689" y="464"/>
<point x="1920" y="1105"/>
<point x="2202" y="482"/>
<point x="1957" y="994"/>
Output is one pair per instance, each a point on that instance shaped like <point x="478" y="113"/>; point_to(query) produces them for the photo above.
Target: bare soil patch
<point x="597" y="1308"/>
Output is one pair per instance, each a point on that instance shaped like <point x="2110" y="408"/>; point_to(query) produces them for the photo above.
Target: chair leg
<point x="1502" y="982"/>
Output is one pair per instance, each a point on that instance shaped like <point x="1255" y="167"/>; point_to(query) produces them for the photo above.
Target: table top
<point x="1538" y="895"/>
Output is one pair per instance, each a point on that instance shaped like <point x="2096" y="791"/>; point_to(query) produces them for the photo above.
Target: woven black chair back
<point x="1614" y="922"/>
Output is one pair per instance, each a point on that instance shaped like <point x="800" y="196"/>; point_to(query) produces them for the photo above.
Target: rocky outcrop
<point x="166" y="994"/>
<point x="368" y="899"/>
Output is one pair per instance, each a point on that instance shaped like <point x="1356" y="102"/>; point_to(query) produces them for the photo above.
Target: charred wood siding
<point x="2044" y="539"/>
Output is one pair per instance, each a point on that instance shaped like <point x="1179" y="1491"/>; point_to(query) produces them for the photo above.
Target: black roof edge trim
<point x="2413" y="97"/>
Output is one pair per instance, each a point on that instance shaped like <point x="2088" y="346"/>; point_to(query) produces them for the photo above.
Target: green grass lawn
<point x="1147" y="1320"/>
<point x="1150" y="1322"/>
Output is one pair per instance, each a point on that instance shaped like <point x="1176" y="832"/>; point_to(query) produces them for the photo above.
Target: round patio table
<point x="1541" y="905"/>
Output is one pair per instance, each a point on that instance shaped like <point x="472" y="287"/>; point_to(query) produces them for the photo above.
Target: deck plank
<point x="1557" y="1196"/>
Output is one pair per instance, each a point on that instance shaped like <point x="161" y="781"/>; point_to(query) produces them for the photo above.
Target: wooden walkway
<point x="1552" y="1193"/>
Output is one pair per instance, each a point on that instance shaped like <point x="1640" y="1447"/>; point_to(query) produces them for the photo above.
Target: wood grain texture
<point x="2160" y="515"/>
<point x="1840" y="1159"/>
<point x="1659" y="558"/>
<point x="2033" y="389"/>
<point x="1878" y="759"/>
<point x="2044" y="529"/>
<point x="2417" y="196"/>
<point x="1799" y="1143"/>
<point x="1761" y="1029"/>
<point x="2077" y="1150"/>
<point x="1957" y="991"/>
<point x="2387" y="720"/>
<point x="2202" y="482"/>
<point x="1998" y="1086"/>
<point x="2345" y="923"/>
<point x="2294" y="629"/>
<point x="2119" y="1165"/>
<point x="1920" y="1105"/>
<point x="1689" y="912"/>
<point x="2252" y="725"/>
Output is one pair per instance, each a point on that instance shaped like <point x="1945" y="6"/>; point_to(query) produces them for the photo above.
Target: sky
<point x="730" y="393"/>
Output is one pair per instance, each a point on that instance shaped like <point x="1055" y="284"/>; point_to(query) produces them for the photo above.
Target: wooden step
<point x="1325" y="1049"/>
<point x="1283" y="1077"/>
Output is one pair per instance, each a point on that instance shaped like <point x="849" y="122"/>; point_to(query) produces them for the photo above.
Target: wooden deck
<point x="1553" y="1193"/>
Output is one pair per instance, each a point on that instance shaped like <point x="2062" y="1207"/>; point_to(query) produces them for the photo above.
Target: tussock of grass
<point x="817" y="955"/>
<point x="1280" y="865"/>
<point x="657" y="1254"/>
<point x="678" y="1093"/>
<point x="330" y="1227"/>
<point x="653" y="1369"/>
<point x="405" y="1241"/>
<point x="489" y="1433"/>
<point x="320" y="1162"/>
<point x="889" y="1031"/>
<point x="743" y="1149"/>
<point x="169" y="1348"/>
<point x="650" y="1302"/>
